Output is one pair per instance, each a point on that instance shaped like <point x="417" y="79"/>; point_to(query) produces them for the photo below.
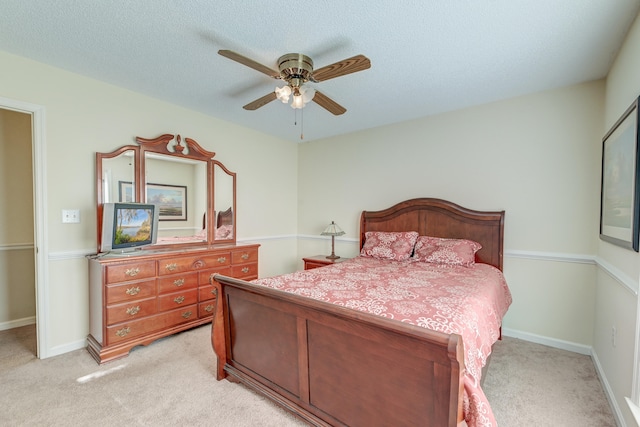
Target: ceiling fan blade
<point x="328" y="104"/>
<point x="249" y="63"/>
<point x="341" y="68"/>
<point x="260" y="102"/>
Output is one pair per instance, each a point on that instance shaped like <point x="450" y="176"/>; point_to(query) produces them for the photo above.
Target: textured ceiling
<point x="427" y="56"/>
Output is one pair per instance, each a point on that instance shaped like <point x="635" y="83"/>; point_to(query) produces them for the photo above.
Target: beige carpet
<point x="171" y="382"/>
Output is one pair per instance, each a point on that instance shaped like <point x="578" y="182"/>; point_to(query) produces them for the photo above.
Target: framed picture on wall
<point x="172" y="199"/>
<point x="619" y="191"/>
<point x="125" y="191"/>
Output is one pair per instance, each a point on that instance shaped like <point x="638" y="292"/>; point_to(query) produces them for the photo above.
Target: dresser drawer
<point x="177" y="282"/>
<point x="129" y="291"/>
<point x="205" y="276"/>
<point x="138" y="328"/>
<point x="245" y="271"/>
<point x="178" y="265"/>
<point x="244" y="255"/>
<point x="177" y="299"/>
<point x="205" y="293"/>
<point x="131" y="310"/>
<point x="130" y="271"/>
<point x="205" y="309"/>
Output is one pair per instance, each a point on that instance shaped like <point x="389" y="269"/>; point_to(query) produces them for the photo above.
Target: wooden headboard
<point x="225" y="218"/>
<point x="440" y="218"/>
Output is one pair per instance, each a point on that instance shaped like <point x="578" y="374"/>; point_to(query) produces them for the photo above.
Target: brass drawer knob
<point x="245" y="270"/>
<point x="179" y="300"/>
<point x="222" y="259"/>
<point x="132" y="272"/>
<point x="186" y="314"/>
<point x="132" y="311"/>
<point x="209" y="308"/>
<point x="171" y="267"/>
<point x="133" y="291"/>
<point x="178" y="282"/>
<point x="123" y="332"/>
<point x="245" y="256"/>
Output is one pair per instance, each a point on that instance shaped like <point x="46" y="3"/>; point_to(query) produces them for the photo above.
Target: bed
<point x="333" y="365"/>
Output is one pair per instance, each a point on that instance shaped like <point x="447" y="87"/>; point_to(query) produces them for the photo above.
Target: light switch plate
<point x="70" y="216"/>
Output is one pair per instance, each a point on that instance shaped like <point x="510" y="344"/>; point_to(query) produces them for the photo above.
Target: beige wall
<point x="84" y="116"/>
<point x="17" y="273"/>
<point x="535" y="156"/>
<point x="616" y="305"/>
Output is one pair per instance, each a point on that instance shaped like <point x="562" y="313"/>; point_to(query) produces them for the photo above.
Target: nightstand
<point x="320" y="261"/>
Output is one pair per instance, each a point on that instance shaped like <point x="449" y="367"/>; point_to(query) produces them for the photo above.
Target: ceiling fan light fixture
<point x="307" y="93"/>
<point x="283" y="93"/>
<point x="297" y="102"/>
<point x="296" y="69"/>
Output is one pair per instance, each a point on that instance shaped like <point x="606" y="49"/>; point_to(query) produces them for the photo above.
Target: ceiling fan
<point x="296" y="69"/>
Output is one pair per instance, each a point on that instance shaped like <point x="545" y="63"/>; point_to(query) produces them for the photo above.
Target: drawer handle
<point x="187" y="314"/>
<point x="171" y="267"/>
<point x="133" y="291"/>
<point x="123" y="332"/>
<point x="179" y="300"/>
<point x="245" y="270"/>
<point x="222" y="259"/>
<point x="132" y="311"/>
<point x="209" y="308"/>
<point x="132" y="272"/>
<point x="245" y="256"/>
<point x="178" y="282"/>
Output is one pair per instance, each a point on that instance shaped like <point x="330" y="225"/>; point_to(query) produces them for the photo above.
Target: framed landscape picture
<point x="172" y="200"/>
<point x="619" y="213"/>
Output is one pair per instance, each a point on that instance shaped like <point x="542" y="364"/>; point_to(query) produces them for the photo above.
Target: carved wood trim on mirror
<point x="203" y="211"/>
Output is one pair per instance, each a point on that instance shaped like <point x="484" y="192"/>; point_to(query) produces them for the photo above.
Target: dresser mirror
<point x="196" y="194"/>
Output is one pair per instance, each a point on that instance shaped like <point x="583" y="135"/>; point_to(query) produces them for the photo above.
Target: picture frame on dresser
<point x="620" y="189"/>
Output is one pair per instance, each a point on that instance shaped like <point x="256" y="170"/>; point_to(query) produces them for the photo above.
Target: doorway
<point x="37" y="251"/>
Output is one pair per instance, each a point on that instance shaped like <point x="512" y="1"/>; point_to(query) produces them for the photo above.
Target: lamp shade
<point x="283" y="93"/>
<point x="332" y="230"/>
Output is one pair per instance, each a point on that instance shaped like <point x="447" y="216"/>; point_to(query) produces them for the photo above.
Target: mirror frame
<point x="174" y="146"/>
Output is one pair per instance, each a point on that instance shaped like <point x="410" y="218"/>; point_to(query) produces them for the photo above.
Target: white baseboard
<point x="65" y="348"/>
<point x="551" y="342"/>
<point x="576" y="348"/>
<point x="17" y="323"/>
<point x="608" y="391"/>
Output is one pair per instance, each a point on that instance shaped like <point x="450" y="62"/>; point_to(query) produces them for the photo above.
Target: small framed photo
<point x="125" y="191"/>
<point x="619" y="202"/>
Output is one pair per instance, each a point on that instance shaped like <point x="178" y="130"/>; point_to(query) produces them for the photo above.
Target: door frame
<point x="41" y="248"/>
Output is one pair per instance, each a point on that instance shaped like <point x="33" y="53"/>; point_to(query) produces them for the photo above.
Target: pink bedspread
<point x="469" y="301"/>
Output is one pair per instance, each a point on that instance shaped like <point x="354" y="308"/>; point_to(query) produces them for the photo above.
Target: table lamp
<point x="332" y="230"/>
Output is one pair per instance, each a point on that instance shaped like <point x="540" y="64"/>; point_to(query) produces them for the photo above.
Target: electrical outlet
<point x="614" y="337"/>
<point x="70" y="216"/>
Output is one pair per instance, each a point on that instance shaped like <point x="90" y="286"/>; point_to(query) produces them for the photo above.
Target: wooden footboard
<point x="334" y="366"/>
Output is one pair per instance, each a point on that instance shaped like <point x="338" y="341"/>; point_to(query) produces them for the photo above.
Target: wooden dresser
<point x="135" y="300"/>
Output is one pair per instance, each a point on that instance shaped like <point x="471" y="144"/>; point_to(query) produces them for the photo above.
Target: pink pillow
<point x="446" y="251"/>
<point x="389" y="245"/>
